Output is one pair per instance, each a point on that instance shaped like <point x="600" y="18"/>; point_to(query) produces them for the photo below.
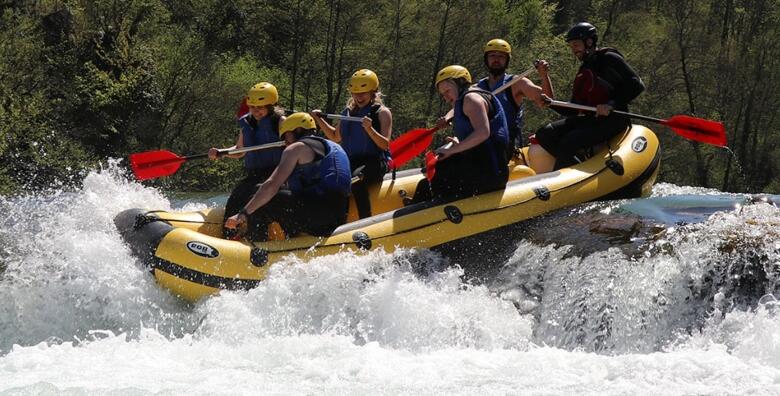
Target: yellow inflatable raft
<point x="186" y="254"/>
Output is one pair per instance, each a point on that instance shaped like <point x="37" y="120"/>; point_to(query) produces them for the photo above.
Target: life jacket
<point x="595" y="82"/>
<point x="329" y="173"/>
<point x="354" y="140"/>
<point x="499" y="132"/>
<point x="256" y="132"/>
<point x="513" y="111"/>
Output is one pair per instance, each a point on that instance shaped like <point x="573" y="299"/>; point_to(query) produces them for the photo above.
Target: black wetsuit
<point x="603" y="78"/>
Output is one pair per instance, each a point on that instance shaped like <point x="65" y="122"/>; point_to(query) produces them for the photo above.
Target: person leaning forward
<point x="317" y="175"/>
<point x="476" y="161"/>
<point x="605" y="81"/>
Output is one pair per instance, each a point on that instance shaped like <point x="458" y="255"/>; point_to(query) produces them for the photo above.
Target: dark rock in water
<point x="588" y="233"/>
<point x="482" y="255"/>
<point x="767" y="199"/>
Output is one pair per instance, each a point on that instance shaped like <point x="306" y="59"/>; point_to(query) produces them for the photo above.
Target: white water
<point x="78" y="316"/>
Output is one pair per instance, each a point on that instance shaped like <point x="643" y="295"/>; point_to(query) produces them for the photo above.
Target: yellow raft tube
<point x="186" y="254"/>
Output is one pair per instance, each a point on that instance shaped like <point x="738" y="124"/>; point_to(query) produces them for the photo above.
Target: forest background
<point x="85" y="81"/>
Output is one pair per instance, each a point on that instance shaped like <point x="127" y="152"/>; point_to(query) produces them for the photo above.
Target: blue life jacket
<point x="255" y="133"/>
<point x="354" y="140"/>
<point x="329" y="173"/>
<point x="513" y="111"/>
<point x="499" y="132"/>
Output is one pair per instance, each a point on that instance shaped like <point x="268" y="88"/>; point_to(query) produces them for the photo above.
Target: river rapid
<point x="673" y="294"/>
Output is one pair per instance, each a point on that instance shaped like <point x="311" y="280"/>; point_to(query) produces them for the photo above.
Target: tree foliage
<point x="84" y="81"/>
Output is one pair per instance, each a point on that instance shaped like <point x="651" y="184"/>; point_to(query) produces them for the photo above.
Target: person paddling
<point x="476" y="161"/>
<point x="317" y="175"/>
<point x="497" y="54"/>
<point x="259" y="126"/>
<point x="366" y="143"/>
<point x="604" y="80"/>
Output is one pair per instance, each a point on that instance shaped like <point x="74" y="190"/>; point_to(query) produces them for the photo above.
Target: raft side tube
<point x="142" y="232"/>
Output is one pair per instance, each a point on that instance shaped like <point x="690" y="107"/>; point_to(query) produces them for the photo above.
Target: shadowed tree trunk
<point x="683" y="11"/>
<point x="396" y="37"/>
<point x="439" y="55"/>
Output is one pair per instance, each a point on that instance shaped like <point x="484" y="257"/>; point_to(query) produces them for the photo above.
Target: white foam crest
<point x="750" y="335"/>
<point x="67" y="270"/>
<point x="374" y="297"/>
<point x="618" y="304"/>
<point x="330" y="364"/>
<point x="667" y="189"/>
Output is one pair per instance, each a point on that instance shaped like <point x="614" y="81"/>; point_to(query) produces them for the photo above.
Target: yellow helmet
<point x="262" y="94"/>
<point x="498" y="45"/>
<point x="295" y="121"/>
<point x="453" y="71"/>
<point x="363" y="80"/>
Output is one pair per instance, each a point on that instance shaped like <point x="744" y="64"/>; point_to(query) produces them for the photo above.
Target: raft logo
<point x="201" y="249"/>
<point x="639" y="144"/>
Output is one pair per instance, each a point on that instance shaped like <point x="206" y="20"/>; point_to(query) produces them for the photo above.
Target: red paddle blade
<point x="410" y="145"/>
<point x="152" y="164"/>
<point x="698" y="129"/>
<point x="243" y="108"/>
<point x="430" y="165"/>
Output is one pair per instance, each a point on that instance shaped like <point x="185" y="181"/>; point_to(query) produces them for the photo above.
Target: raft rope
<point x="144" y="219"/>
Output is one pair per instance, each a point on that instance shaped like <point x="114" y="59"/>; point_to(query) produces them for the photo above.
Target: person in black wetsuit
<point x="316" y="172"/>
<point x="605" y="81"/>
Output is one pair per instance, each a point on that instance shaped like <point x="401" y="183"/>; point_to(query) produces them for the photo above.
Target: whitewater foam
<point x="695" y="314"/>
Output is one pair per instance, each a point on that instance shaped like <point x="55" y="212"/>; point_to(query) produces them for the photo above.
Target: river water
<point x="681" y="303"/>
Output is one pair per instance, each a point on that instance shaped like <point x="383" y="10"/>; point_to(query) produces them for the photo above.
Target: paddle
<point x="692" y="128"/>
<point x="414" y="142"/>
<point x="430" y="161"/>
<point x="410" y="145"/>
<point x="243" y="108"/>
<point x="342" y="117"/>
<point x="154" y="164"/>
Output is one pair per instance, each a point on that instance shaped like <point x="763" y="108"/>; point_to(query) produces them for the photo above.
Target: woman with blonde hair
<point x="367" y="143"/>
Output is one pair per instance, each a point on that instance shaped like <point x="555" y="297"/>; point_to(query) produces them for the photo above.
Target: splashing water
<point x="694" y="313"/>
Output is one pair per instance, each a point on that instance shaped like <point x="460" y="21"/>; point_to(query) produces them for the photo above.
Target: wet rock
<point x="588" y="233"/>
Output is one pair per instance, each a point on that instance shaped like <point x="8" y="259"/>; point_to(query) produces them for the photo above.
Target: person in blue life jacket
<point x="317" y="176"/>
<point x="604" y="81"/>
<point x="496" y="55"/>
<point x="367" y="143"/>
<point x="259" y="126"/>
<point x="476" y="162"/>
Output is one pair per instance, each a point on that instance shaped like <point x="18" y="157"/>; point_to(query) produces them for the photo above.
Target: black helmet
<point x="582" y="31"/>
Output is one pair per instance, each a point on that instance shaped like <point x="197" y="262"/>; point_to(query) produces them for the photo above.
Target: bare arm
<point x="542" y="68"/>
<point x="381" y="139"/>
<point x="331" y="132"/>
<point x="476" y="109"/>
<point x="442" y="122"/>
<point x="214" y="152"/>
<point x="527" y="89"/>
<point x="291" y="156"/>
